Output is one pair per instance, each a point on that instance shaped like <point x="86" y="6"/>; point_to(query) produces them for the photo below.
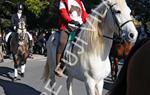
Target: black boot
<point x="8" y="52"/>
<point x="7" y="45"/>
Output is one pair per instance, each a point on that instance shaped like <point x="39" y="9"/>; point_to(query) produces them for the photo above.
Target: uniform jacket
<point x="15" y="20"/>
<point x="65" y="13"/>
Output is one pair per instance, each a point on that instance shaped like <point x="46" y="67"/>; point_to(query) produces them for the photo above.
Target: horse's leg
<point x="111" y="63"/>
<point x="15" y="70"/>
<point x="99" y="87"/>
<point x="52" y="83"/>
<point x="16" y="65"/>
<point x="112" y="67"/>
<point x="90" y="85"/>
<point x="49" y="76"/>
<point x="69" y="85"/>
<point x="116" y="61"/>
<point x="22" y="70"/>
<point x="1" y="57"/>
<point x="23" y="65"/>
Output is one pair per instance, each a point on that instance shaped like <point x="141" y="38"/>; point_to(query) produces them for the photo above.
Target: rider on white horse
<point x="15" y="19"/>
<point x="73" y="12"/>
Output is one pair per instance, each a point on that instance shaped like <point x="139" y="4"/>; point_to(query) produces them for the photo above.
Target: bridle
<point x="120" y="30"/>
<point x="22" y="28"/>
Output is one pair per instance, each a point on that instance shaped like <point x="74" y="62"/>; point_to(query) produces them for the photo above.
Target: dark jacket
<point x="15" y="20"/>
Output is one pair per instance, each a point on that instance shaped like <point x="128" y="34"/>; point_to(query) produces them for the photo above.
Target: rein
<point x="21" y="28"/>
<point x="117" y="23"/>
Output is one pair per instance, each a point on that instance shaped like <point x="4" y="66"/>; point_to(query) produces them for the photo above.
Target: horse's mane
<point x="92" y="31"/>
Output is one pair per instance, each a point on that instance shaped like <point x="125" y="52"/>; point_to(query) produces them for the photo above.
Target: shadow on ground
<point x="14" y="88"/>
<point x="5" y="72"/>
<point x="108" y="84"/>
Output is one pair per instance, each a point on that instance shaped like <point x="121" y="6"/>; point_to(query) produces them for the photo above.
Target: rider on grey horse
<point x="71" y="12"/>
<point x="15" y="19"/>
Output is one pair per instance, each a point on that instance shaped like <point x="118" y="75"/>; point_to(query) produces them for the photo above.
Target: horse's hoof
<point x="22" y="75"/>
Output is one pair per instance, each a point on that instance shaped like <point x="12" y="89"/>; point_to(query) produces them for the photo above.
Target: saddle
<point x="67" y="53"/>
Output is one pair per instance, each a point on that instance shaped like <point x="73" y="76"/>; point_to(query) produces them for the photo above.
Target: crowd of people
<point x="37" y="39"/>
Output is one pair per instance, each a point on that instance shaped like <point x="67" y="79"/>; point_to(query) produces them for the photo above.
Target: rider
<point x="14" y="24"/>
<point x="73" y="12"/>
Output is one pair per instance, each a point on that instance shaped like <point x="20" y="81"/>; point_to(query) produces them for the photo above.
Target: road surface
<point x="32" y="83"/>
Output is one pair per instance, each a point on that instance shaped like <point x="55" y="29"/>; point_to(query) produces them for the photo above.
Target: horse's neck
<point x="107" y="42"/>
<point x="97" y="44"/>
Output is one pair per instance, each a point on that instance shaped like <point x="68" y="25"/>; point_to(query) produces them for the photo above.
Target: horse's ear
<point x="108" y="1"/>
<point x="104" y="11"/>
<point x="101" y="11"/>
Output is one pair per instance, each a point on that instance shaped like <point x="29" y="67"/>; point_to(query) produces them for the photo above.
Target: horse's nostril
<point x="131" y="35"/>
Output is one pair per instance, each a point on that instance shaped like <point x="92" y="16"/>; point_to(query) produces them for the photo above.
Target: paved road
<point x="32" y="84"/>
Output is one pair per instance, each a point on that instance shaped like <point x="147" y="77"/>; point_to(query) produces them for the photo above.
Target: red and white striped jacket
<point x="71" y="10"/>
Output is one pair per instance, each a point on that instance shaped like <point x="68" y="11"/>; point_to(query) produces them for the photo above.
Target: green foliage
<point x="53" y="13"/>
<point x="141" y="8"/>
<point x="148" y="26"/>
<point x="16" y="1"/>
<point x="90" y="4"/>
<point x="53" y="7"/>
<point x="5" y="23"/>
<point x="6" y="9"/>
<point x="36" y="6"/>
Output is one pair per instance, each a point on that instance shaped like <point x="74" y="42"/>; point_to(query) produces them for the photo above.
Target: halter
<point x="22" y="28"/>
<point x="117" y="23"/>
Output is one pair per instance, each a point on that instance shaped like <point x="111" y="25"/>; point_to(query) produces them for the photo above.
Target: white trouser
<point x="7" y="36"/>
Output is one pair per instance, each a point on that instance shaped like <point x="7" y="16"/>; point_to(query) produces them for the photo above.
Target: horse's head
<point x="21" y="23"/>
<point x="114" y="16"/>
<point x="21" y="29"/>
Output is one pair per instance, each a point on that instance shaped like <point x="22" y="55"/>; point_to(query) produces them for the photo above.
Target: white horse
<point x="91" y="49"/>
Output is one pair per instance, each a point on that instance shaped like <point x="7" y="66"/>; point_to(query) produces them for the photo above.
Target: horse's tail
<point x="46" y="73"/>
<point x="50" y="62"/>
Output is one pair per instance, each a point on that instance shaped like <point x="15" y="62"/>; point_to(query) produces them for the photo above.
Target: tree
<point x="6" y="10"/>
<point x="141" y="9"/>
<point x="36" y="6"/>
<point x="90" y="4"/>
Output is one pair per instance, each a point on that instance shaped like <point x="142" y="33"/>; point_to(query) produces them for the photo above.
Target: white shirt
<point x="19" y="15"/>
